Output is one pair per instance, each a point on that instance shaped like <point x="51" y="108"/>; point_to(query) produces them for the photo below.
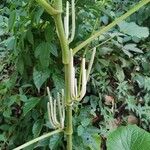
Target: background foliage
<point x="30" y="59"/>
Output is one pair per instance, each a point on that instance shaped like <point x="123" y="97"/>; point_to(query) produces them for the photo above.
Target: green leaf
<point x="130" y="137"/>
<point x="54" y="50"/>
<point x="85" y="122"/>
<point x="20" y="64"/>
<point x="37" y="14"/>
<point x="2" y="138"/>
<point x="80" y="130"/>
<point x="120" y="73"/>
<point x="91" y="140"/>
<point x="133" y="48"/>
<point x="30" y="104"/>
<point x="49" y="34"/>
<point x="11" y="20"/>
<point x="104" y="62"/>
<point x="140" y="80"/>
<point x="133" y="29"/>
<point x="58" y="81"/>
<point x="39" y="78"/>
<point x="105" y="50"/>
<point x="55" y="141"/>
<point x="95" y="142"/>
<point x="42" y="52"/>
<point x="7" y="113"/>
<point x="30" y="37"/>
<point x="37" y="127"/>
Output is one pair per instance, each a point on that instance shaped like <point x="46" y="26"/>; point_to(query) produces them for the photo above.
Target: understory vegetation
<point x="117" y="101"/>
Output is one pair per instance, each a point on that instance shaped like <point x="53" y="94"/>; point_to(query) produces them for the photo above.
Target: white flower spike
<point x="66" y="21"/>
<point x="54" y="107"/>
<point x="78" y="90"/>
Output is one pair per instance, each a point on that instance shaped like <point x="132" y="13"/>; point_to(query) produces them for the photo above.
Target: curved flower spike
<point x="73" y="21"/>
<point x="66" y="21"/>
<point x="91" y="63"/>
<point x="54" y="107"/>
<point x="84" y="81"/>
<point x="77" y="93"/>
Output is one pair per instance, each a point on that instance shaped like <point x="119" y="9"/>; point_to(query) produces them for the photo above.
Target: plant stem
<point x="38" y="139"/>
<point x="66" y="58"/>
<point x="111" y="25"/>
<point x="62" y="38"/>
<point x="68" y="129"/>
<point x="48" y="7"/>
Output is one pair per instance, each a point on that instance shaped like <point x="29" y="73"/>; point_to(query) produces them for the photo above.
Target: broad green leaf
<point x="105" y="50"/>
<point x="140" y="80"/>
<point x="20" y="64"/>
<point x="37" y="127"/>
<point x="104" y="62"/>
<point x="133" y="48"/>
<point x="49" y="34"/>
<point x="9" y="42"/>
<point x="2" y="138"/>
<point x="11" y="20"/>
<point x="96" y="142"/>
<point x="30" y="37"/>
<point x="54" y="50"/>
<point x="120" y="73"/>
<point x="80" y="130"/>
<point x="91" y="140"/>
<point x="1" y="31"/>
<point x="58" y="81"/>
<point x="39" y="78"/>
<point x="85" y="122"/>
<point x="42" y="52"/>
<point x="7" y="113"/>
<point x="30" y="104"/>
<point x="54" y="142"/>
<point x="37" y="14"/>
<point x="133" y="29"/>
<point x="130" y="137"/>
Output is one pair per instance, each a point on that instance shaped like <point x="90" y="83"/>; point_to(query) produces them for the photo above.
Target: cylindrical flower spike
<point x="91" y="63"/>
<point x="66" y="20"/>
<point x="52" y="107"/>
<point x="72" y="75"/>
<point x="59" y="106"/>
<point x="83" y="86"/>
<point x="49" y="115"/>
<point x="73" y="21"/>
<point x="77" y="93"/>
<point x="55" y="114"/>
<point x="75" y="88"/>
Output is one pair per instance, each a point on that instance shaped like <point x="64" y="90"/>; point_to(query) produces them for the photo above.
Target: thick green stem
<point x="62" y="38"/>
<point x="111" y="25"/>
<point x="69" y="128"/>
<point x="66" y="59"/>
<point x="48" y="7"/>
<point x="38" y="139"/>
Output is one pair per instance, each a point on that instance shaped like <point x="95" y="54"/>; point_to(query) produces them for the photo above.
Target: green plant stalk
<point x="62" y="38"/>
<point x="38" y="139"/>
<point x="48" y="7"/>
<point x="69" y="128"/>
<point x="111" y="25"/>
<point x="65" y="58"/>
<point x="58" y="5"/>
